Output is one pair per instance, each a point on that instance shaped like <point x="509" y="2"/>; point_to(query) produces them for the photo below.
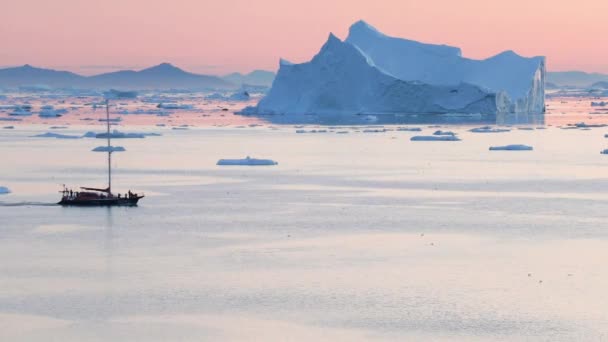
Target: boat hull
<point x="101" y="202"/>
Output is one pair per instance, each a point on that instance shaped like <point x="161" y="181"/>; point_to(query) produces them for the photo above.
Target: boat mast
<point x="109" y="148"/>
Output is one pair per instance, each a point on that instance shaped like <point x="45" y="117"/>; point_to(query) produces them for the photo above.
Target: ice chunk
<point x="8" y="127"/>
<point x="604" y="151"/>
<point x="488" y="129"/>
<point x="599" y="104"/>
<point x="409" y="129"/>
<point x="109" y="149"/>
<point x="247" y="161"/>
<point x="447" y="133"/>
<point x="515" y="147"/>
<point x="56" y="136"/>
<point x="120" y="135"/>
<point x="172" y="105"/>
<point x="435" y="138"/>
<point x="4" y="190"/>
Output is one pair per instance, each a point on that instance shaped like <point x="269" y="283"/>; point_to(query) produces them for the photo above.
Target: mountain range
<point x="575" y="78"/>
<point x="162" y="76"/>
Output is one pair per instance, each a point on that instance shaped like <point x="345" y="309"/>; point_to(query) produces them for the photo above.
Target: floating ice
<point x="446" y="133"/>
<point x="4" y="190"/>
<point x="247" y="161"/>
<point x="599" y="104"/>
<point x="8" y="127"/>
<point x="488" y="129"/>
<point x="109" y="149"/>
<point x="120" y="135"/>
<point x="409" y="129"/>
<point x="56" y="136"/>
<point x="435" y="138"/>
<point x="172" y="105"/>
<point x="515" y="147"/>
<point x="604" y="151"/>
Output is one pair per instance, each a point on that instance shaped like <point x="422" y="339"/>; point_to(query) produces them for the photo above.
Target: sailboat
<point x="92" y="197"/>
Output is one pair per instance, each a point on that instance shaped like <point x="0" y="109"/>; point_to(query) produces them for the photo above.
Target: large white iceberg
<point x="376" y="74"/>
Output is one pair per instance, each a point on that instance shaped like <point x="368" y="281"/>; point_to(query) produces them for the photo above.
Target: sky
<point x="222" y="36"/>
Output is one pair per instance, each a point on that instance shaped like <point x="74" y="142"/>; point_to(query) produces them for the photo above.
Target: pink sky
<point x="220" y="36"/>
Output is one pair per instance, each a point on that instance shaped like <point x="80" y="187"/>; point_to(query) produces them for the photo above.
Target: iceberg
<point x="604" y="151"/>
<point x="4" y="190"/>
<point x="8" y="127"/>
<point x="109" y="149"/>
<point x="435" y="138"/>
<point x="599" y="104"/>
<point x="247" y="161"/>
<point x="372" y="75"/>
<point x="512" y="148"/>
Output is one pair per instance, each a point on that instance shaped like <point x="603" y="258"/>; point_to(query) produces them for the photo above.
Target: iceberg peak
<point x="284" y="62"/>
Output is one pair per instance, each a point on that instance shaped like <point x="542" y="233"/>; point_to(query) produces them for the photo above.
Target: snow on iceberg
<point x="4" y="190"/>
<point x="109" y="149"/>
<point x="376" y="74"/>
<point x="512" y="148"/>
<point x="435" y="138"/>
<point x="519" y="82"/>
<point x="247" y="161"/>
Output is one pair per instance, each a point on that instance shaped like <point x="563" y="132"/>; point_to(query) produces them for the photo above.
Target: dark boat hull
<point x="101" y="202"/>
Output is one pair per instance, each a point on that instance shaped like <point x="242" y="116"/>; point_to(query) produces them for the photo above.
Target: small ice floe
<point x="180" y="128"/>
<point x="370" y="118"/>
<point x="604" y="151"/>
<point x="121" y="135"/>
<point x="435" y="138"/>
<point x="10" y="119"/>
<point x="599" y="104"/>
<point x="516" y="147"/>
<point x="109" y="149"/>
<point x="381" y="130"/>
<point x="118" y="119"/>
<point x="445" y="133"/>
<point x="247" y="161"/>
<point x="409" y="129"/>
<point x="160" y="125"/>
<point x="525" y="128"/>
<point x="488" y="129"/>
<point x="21" y="111"/>
<point x="49" y="111"/>
<point x="584" y="125"/>
<point x="4" y="190"/>
<point x="238" y="96"/>
<point x="58" y="127"/>
<point x="301" y="131"/>
<point x="342" y="132"/>
<point x="56" y="136"/>
<point x="173" y="105"/>
<point x="8" y="127"/>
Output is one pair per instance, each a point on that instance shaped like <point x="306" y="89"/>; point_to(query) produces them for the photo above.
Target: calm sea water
<point x="358" y="236"/>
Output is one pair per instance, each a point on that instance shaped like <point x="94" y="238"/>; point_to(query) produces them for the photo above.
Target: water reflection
<point x="393" y="119"/>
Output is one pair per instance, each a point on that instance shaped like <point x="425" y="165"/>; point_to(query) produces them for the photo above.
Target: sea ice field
<point x="357" y="233"/>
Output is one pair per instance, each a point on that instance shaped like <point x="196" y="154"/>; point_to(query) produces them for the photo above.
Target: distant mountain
<point x="575" y="78"/>
<point x="162" y="76"/>
<point x="601" y="85"/>
<point x="28" y="75"/>
<point x="257" y="77"/>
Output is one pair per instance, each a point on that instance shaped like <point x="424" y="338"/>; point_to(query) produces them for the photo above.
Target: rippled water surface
<point x="357" y="236"/>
